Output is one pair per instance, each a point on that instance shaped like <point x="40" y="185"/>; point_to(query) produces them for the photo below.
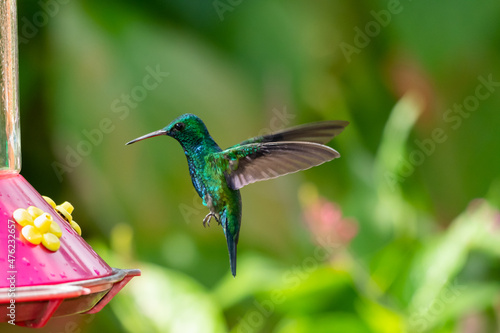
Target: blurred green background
<point x="401" y="234"/>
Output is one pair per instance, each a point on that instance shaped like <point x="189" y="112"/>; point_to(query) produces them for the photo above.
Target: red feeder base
<point x="41" y="283"/>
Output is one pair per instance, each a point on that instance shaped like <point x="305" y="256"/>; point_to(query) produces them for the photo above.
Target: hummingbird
<point x="217" y="175"/>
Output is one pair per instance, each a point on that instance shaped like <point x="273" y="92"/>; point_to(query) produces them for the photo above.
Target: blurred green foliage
<point x="411" y="248"/>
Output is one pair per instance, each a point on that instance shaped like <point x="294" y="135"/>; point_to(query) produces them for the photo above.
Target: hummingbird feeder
<point x="46" y="268"/>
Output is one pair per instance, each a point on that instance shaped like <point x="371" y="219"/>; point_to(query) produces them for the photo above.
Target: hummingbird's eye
<point x="179" y="126"/>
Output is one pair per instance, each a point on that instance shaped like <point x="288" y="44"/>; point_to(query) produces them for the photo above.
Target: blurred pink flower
<point x="324" y="218"/>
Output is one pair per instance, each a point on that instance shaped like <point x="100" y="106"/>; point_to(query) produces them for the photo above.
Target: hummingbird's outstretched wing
<point x="319" y="132"/>
<point x="249" y="163"/>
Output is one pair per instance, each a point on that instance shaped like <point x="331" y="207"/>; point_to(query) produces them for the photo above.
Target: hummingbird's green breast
<point x="209" y="180"/>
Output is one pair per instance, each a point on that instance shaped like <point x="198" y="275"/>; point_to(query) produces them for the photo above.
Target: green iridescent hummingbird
<point x="217" y="174"/>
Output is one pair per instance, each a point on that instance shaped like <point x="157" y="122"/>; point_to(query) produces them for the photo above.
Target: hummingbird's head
<point x="188" y="129"/>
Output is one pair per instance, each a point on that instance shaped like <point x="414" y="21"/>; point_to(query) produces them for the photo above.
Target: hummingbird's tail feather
<point x="231" y="247"/>
<point x="232" y="241"/>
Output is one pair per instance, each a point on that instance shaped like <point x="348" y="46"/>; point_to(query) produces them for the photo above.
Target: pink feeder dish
<point x="37" y="283"/>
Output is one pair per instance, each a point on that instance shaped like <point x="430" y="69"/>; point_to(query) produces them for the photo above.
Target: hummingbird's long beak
<point x="150" y="135"/>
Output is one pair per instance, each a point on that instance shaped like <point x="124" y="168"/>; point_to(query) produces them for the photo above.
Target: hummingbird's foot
<point x="206" y="220"/>
<point x="208" y="217"/>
